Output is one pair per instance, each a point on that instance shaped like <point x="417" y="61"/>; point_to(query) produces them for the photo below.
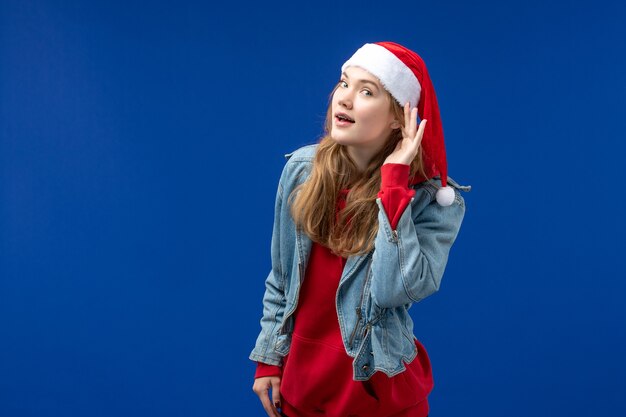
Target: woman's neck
<point x="361" y="157"/>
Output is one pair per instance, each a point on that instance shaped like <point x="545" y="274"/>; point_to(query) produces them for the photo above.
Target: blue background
<point x="140" y="148"/>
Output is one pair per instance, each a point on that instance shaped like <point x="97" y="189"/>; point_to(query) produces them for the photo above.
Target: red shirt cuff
<point x="263" y="369"/>
<point x="395" y="193"/>
<point x="394" y="175"/>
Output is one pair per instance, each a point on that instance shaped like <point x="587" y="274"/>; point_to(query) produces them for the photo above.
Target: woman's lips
<point x="342" y="123"/>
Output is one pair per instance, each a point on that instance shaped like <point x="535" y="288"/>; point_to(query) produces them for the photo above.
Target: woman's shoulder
<point x="298" y="165"/>
<point x="305" y="153"/>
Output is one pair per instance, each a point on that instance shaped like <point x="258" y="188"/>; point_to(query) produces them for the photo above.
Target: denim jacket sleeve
<point x="408" y="263"/>
<point x="274" y="299"/>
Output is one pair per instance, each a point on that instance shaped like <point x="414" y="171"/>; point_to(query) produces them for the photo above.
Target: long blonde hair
<point x="313" y="203"/>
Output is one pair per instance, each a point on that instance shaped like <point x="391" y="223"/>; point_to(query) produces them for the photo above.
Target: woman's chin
<point x="339" y="138"/>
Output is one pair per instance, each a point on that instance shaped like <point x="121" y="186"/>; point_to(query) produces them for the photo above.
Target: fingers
<point x="261" y="388"/>
<point x="407" y="118"/>
<point x="276" y="392"/>
<point x="268" y="406"/>
<point x="420" y="132"/>
<point x="410" y="120"/>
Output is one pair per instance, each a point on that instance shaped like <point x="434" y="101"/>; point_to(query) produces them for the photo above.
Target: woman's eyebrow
<point x="361" y="81"/>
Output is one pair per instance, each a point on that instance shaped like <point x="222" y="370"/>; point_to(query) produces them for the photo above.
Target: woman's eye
<point x="343" y="83"/>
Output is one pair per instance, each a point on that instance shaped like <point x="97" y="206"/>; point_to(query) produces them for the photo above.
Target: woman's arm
<point x="274" y="296"/>
<point x="409" y="261"/>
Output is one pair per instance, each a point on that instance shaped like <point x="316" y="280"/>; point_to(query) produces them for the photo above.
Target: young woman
<point x="363" y="225"/>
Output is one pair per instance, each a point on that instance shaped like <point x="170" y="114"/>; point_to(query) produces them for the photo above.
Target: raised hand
<point x="406" y="149"/>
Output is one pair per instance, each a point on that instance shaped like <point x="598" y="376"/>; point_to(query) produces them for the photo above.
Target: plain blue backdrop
<point x="140" y="148"/>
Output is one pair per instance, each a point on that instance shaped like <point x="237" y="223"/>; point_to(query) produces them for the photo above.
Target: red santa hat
<point x="403" y="73"/>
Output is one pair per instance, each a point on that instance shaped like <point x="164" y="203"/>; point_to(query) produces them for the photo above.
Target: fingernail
<point x="277" y="404"/>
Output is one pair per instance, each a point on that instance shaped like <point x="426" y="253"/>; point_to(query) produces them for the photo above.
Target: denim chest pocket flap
<point x="458" y="186"/>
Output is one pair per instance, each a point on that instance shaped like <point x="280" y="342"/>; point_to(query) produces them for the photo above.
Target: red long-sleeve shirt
<point x="317" y="372"/>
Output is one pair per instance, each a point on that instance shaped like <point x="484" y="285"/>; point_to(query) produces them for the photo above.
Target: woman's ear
<point x="395" y="124"/>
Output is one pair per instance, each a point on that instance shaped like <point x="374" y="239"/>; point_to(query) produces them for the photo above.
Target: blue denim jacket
<point x="375" y="290"/>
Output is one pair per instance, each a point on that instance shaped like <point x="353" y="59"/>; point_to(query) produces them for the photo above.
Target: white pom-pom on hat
<point x="445" y="196"/>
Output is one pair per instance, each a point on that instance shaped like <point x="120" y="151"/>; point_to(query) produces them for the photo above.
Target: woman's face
<point x="361" y="98"/>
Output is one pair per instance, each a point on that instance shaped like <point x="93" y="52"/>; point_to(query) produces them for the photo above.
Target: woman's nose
<point x="345" y="100"/>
